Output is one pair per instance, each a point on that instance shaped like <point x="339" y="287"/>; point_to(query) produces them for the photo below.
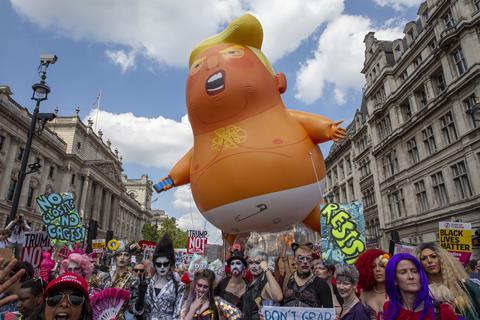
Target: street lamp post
<point x="40" y="93"/>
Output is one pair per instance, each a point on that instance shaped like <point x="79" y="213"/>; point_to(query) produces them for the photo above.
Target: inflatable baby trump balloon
<point x="254" y="165"/>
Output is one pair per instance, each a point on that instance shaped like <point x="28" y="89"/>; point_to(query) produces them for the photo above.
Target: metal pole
<point x="23" y="167"/>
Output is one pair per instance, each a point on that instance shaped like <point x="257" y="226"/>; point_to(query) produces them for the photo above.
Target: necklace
<point x="377" y="291"/>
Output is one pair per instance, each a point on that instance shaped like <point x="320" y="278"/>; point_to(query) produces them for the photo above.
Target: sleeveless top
<point x="221" y="291"/>
<point x="252" y="298"/>
<point x="315" y="293"/>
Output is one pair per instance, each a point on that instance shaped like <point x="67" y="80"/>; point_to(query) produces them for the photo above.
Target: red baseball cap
<point x="68" y="280"/>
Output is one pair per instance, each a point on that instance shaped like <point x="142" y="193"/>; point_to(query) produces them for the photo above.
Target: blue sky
<point x="136" y="55"/>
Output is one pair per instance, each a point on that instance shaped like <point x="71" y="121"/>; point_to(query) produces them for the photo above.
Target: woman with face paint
<point x="160" y="298"/>
<point x="352" y="308"/>
<point x="303" y="288"/>
<point x="233" y="287"/>
<point x="263" y="287"/>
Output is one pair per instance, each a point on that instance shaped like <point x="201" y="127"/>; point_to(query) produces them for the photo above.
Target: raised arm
<point x="178" y="176"/>
<point x="319" y="128"/>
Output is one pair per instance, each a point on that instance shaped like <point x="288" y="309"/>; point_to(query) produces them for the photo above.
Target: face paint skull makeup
<point x="236" y="266"/>
<point x="162" y="266"/>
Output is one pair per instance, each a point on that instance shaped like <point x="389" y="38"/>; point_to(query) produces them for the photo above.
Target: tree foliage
<point x="168" y="226"/>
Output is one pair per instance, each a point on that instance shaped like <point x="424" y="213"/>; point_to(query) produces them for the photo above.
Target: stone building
<point x="74" y="159"/>
<point x="418" y="149"/>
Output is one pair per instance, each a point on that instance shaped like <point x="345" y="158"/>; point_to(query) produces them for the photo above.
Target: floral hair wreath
<point x="384" y="259"/>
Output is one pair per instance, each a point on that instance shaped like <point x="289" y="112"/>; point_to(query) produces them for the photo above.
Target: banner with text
<point x="343" y="232"/>
<point x="62" y="221"/>
<point x="296" y="313"/>
<point x="35" y="243"/>
<point x="456" y="237"/>
<point x="148" y="248"/>
<point x="197" y="241"/>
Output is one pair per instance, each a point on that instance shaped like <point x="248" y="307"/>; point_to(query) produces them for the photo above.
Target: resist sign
<point x="197" y="241"/>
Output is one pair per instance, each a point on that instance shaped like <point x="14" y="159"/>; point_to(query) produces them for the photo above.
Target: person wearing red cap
<point x="66" y="297"/>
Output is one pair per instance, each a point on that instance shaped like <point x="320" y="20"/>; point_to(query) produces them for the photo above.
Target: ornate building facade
<point x="416" y="143"/>
<point x="74" y="159"/>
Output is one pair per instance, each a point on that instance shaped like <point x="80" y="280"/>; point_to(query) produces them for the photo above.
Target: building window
<point x="449" y="132"/>
<point x="439" y="82"/>
<point x="413" y="151"/>
<point x="422" y="98"/>
<point x="448" y="19"/>
<point x="404" y="75"/>
<point x="364" y="168"/>
<point x="351" y="190"/>
<point x="11" y="189"/>
<point x="20" y="154"/>
<point x="439" y="189"/>
<point x="460" y="178"/>
<point x="72" y="181"/>
<point x="476" y="4"/>
<point x="406" y="111"/>
<point x="341" y="173"/>
<point x="31" y="192"/>
<point x="421" y="195"/>
<point x="459" y="60"/>
<point x="2" y="142"/>
<point x="429" y="140"/>
<point x="349" y="164"/>
<point x="470" y="103"/>
<point x="51" y="172"/>
<point x="369" y="197"/>
<point x="390" y="164"/>
<point x="384" y="128"/>
<point x="344" y="194"/>
<point x="433" y="45"/>
<point x="396" y="203"/>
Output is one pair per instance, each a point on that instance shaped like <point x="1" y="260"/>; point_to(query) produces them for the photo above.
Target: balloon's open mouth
<point x="215" y="83"/>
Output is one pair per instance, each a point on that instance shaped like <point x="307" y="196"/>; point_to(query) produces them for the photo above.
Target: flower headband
<point x="384" y="259"/>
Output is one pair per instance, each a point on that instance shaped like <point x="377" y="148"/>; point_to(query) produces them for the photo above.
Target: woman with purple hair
<point x="407" y="288"/>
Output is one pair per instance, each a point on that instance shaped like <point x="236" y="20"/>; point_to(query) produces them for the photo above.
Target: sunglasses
<point x="162" y="264"/>
<point x="139" y="270"/>
<point x="74" y="299"/>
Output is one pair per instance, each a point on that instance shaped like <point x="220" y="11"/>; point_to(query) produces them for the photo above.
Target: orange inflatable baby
<point x="254" y="165"/>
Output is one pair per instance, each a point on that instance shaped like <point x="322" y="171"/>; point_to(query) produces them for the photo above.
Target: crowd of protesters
<point x="429" y="284"/>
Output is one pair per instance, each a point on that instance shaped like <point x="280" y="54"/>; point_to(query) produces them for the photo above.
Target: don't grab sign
<point x="197" y="241"/>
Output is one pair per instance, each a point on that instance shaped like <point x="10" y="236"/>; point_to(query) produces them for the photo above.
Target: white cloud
<point x="123" y="59"/>
<point x="165" y="31"/>
<point x="399" y="4"/>
<point x="192" y="218"/>
<point x="338" y="58"/>
<point x="159" y="142"/>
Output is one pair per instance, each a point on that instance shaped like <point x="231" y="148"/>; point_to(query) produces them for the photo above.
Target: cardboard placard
<point x="296" y="313"/>
<point x="98" y="245"/>
<point x="36" y="242"/>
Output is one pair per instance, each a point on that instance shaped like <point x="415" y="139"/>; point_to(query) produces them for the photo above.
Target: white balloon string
<point x="316" y="175"/>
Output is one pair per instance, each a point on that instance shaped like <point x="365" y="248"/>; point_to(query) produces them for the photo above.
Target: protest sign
<point x="456" y="238"/>
<point x="343" y="232"/>
<point x="148" y="248"/>
<point x="296" y="313"/>
<point x="400" y="247"/>
<point x="98" y="245"/>
<point x="35" y="243"/>
<point x="197" y="241"/>
<point x="60" y="217"/>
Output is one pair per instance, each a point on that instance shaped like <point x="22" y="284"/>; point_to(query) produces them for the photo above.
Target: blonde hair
<point x="245" y="31"/>
<point x="453" y="275"/>
<point x="441" y="293"/>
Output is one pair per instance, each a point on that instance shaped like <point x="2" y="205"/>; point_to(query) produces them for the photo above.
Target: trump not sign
<point x="197" y="241"/>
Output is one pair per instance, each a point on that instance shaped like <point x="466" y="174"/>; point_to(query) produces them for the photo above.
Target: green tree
<point x="150" y="232"/>
<point x="178" y="236"/>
